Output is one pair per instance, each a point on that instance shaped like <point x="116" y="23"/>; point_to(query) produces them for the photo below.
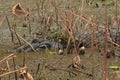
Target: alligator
<point x="38" y="45"/>
<point x="43" y="44"/>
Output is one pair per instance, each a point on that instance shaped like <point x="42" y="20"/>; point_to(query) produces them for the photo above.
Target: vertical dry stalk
<point x="27" y="18"/>
<point x="68" y="42"/>
<point x="7" y="64"/>
<point x="69" y="28"/>
<point x="56" y="16"/>
<point x="16" y="35"/>
<point x="39" y="11"/>
<point x="116" y="11"/>
<point x="2" y="20"/>
<point x="92" y="43"/>
<point x="67" y="23"/>
<point x="10" y="29"/>
<point x="115" y="24"/>
<point x="38" y="68"/>
<point x="16" y="78"/>
<point x="38" y="8"/>
<point x="24" y="60"/>
<point x="106" y="44"/>
<point x="116" y="18"/>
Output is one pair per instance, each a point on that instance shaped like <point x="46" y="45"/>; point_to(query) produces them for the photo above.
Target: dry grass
<point x="70" y="21"/>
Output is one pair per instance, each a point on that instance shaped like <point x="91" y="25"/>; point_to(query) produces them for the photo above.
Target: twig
<point x="2" y="20"/>
<point x="24" y="60"/>
<point x="61" y="69"/>
<point x="23" y="39"/>
<point x="15" y="68"/>
<point x="92" y="45"/>
<point x="8" y="66"/>
<point x="106" y="42"/>
<point x="38" y="68"/>
<point x="2" y="75"/>
<point x="83" y="72"/>
<point x="8" y="57"/>
<point x="114" y="43"/>
<point x="55" y="68"/>
<point x="17" y="35"/>
<point x="10" y="29"/>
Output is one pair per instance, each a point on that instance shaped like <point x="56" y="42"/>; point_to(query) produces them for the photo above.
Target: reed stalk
<point x="105" y="43"/>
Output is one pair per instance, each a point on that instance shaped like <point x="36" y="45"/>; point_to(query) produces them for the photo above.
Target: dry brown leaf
<point x="76" y="61"/>
<point x="24" y="74"/>
<point x="18" y="11"/>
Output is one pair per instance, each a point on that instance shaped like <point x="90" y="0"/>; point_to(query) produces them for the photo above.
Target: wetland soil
<point x="33" y="60"/>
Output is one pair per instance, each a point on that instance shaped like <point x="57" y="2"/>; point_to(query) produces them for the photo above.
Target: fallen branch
<point x="2" y="75"/>
<point x="114" y="43"/>
<point x="81" y="71"/>
<point x="8" y="57"/>
<point x="61" y="69"/>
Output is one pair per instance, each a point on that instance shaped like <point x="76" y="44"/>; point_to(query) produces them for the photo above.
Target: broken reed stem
<point x="27" y="18"/>
<point x="116" y="18"/>
<point x="67" y="48"/>
<point x="92" y="44"/>
<point x="71" y="35"/>
<point x="38" y="8"/>
<point x="23" y="39"/>
<point x="56" y="12"/>
<point x="1" y="22"/>
<point x="17" y="36"/>
<point x="8" y="73"/>
<point x="70" y="31"/>
<point x="8" y="57"/>
<point x="114" y="43"/>
<point x="106" y="44"/>
<point x="15" y="69"/>
<point x="83" y="72"/>
<point x="24" y="60"/>
<point x="10" y="29"/>
<point x="67" y="24"/>
<point x="105" y="55"/>
<point x="84" y="19"/>
<point x="8" y="66"/>
<point x="61" y="69"/>
<point x="116" y="11"/>
<point x="70" y="26"/>
<point x="39" y="13"/>
<point x="38" y="68"/>
<point x="74" y="42"/>
<point x="7" y="61"/>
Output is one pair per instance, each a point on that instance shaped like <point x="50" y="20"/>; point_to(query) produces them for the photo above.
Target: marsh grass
<point x="68" y="21"/>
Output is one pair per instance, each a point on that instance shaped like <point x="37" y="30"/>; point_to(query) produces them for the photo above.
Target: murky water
<point x="32" y="59"/>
